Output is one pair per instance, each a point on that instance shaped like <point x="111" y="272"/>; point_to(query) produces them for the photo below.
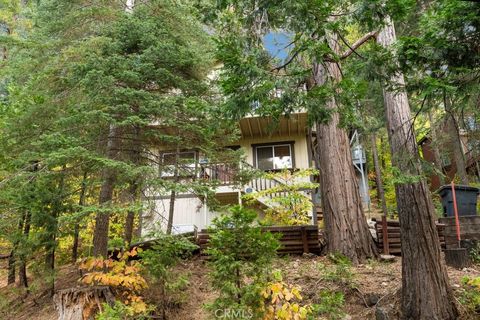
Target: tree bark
<point x="130" y="219"/>
<point x="12" y="259"/>
<point x="76" y="231"/>
<point x="52" y="238"/>
<point x="82" y="303"/>
<point x="345" y="222"/>
<point x="378" y="176"/>
<point x="456" y="143"/>
<point x="102" y="219"/>
<point x="171" y="207"/>
<point x="11" y="268"/>
<point x="22" y="268"/>
<point x="133" y="190"/>
<point x="426" y="293"/>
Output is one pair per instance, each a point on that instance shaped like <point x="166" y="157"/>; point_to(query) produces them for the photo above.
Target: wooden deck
<point x="293" y="239"/>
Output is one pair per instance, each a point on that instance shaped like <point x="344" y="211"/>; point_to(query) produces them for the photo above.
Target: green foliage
<point x="470" y="295"/>
<point x="73" y="71"/>
<point x="330" y="305"/>
<point x="160" y="261"/>
<point x="283" y="301"/>
<point x="240" y="258"/>
<point x="474" y="253"/>
<point x="123" y="277"/>
<point x="287" y="204"/>
<point x="167" y="251"/>
<point x="118" y="311"/>
<point x="340" y="272"/>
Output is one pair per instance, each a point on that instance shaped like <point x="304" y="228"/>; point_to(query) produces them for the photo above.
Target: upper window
<point x="189" y="157"/>
<point x="273" y="157"/>
<point x="186" y="163"/>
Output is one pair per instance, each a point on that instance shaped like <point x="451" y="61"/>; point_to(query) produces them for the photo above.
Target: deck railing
<point x="228" y="174"/>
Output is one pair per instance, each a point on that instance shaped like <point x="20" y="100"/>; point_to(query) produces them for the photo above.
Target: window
<point x="186" y="163"/>
<point x="168" y="158"/>
<point x="274" y="157"/>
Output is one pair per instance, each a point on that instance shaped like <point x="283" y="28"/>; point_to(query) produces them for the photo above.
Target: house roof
<point x="263" y="126"/>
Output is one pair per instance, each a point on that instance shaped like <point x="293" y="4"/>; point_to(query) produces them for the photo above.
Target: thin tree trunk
<point x="378" y="176"/>
<point x="130" y="219"/>
<point x="171" y="208"/>
<point x="22" y="268"/>
<point x="434" y="145"/>
<point x="11" y="268"/>
<point x="102" y="219"/>
<point x="76" y="231"/>
<point x="456" y="143"/>
<point x="426" y="293"/>
<point x="51" y="242"/>
<point x="383" y="151"/>
<point x="133" y="190"/>
<point x="12" y="259"/>
<point x="345" y="222"/>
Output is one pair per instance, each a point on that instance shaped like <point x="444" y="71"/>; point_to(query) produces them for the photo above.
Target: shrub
<point x="287" y="203"/>
<point x="341" y="272"/>
<point x="160" y="261"/>
<point x="470" y="296"/>
<point x="240" y="257"/>
<point x="282" y="301"/>
<point x="123" y="277"/>
<point x="330" y="305"/>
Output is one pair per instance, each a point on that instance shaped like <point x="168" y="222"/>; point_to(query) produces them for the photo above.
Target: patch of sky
<point x="277" y="44"/>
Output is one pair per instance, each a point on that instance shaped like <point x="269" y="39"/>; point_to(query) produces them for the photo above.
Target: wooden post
<point x="304" y="239"/>
<point x="386" y="247"/>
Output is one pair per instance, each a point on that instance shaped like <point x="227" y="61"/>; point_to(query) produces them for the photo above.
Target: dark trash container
<point x="466" y="200"/>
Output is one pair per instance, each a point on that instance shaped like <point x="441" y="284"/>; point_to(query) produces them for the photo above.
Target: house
<point x="471" y="152"/>
<point x="267" y="146"/>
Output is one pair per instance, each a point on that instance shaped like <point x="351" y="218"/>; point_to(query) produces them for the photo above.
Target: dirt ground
<point x="368" y="286"/>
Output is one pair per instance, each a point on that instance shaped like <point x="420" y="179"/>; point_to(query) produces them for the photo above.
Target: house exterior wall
<point x="300" y="148"/>
<point x="449" y="168"/>
<point x="189" y="210"/>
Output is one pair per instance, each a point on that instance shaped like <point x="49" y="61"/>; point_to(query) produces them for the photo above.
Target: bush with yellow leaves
<point x="283" y="301"/>
<point x="122" y="276"/>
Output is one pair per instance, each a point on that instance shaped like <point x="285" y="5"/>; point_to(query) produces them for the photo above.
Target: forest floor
<point x="366" y="288"/>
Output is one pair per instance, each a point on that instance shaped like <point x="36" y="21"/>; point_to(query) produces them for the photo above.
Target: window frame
<point x="166" y="174"/>
<point x="290" y="145"/>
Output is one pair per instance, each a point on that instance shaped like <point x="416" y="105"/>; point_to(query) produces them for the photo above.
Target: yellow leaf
<point x="296" y="293"/>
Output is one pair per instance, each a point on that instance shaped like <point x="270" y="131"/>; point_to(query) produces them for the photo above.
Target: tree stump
<point x="457" y="258"/>
<point x="81" y="303"/>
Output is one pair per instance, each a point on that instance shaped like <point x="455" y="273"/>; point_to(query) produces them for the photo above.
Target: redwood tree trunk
<point x="102" y="219"/>
<point x="426" y="293"/>
<point x="345" y="222"/>
<point x="378" y="176"/>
